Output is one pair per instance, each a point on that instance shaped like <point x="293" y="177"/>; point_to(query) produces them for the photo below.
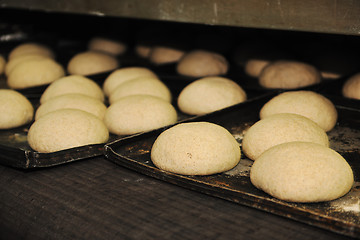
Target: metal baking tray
<point x="341" y="215"/>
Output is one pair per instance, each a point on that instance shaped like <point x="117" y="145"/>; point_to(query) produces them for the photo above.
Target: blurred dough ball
<point x="329" y="75"/>
<point x="306" y="103"/>
<point x="302" y="172"/>
<point x="138" y="113"/>
<point x="35" y="72"/>
<point x="289" y="75"/>
<point x="73" y="101"/>
<point x="280" y="128"/>
<point x="209" y="94"/>
<point x="141" y="86"/>
<point x="66" y="128"/>
<point x="91" y="62"/>
<point x="201" y="63"/>
<point x="2" y="64"/>
<point x="253" y="67"/>
<point x="11" y="64"/>
<point x="197" y="148"/>
<point x="73" y="84"/>
<point x="16" y="110"/>
<point x="31" y="49"/>
<point x="164" y="55"/>
<point x="122" y="75"/>
<point x="351" y="88"/>
<point x="142" y="50"/>
<point x="107" y="45"/>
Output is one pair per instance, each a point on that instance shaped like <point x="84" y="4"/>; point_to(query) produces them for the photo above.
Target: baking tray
<point x="340" y="216"/>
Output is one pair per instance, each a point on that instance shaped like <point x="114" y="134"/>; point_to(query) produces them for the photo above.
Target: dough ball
<point x="91" y="62"/>
<point x="209" y="94"/>
<point x="351" y="88"/>
<point x="306" y="103"/>
<point x="302" y="172"/>
<point x="35" y="72"/>
<point x="196" y="148"/>
<point x="164" y="55"/>
<point x="2" y="64"/>
<point x="74" y="101"/>
<point x="138" y="113"/>
<point x="289" y="75"/>
<point x="66" y="128"/>
<point x="253" y="67"/>
<point x="106" y="45"/>
<point x="31" y="49"/>
<point x="122" y="75"/>
<point x="16" y="110"/>
<point x="73" y="84"/>
<point x="141" y="86"/>
<point x="143" y="50"/>
<point x="20" y="59"/>
<point x="280" y="128"/>
<point x="201" y="63"/>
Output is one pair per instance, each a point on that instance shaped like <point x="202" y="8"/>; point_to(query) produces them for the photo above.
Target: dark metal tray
<point x="341" y="216"/>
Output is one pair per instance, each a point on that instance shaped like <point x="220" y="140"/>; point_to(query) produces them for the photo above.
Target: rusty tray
<point x="341" y="215"/>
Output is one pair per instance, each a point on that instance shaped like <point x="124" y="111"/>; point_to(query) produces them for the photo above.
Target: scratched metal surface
<point x="341" y="215"/>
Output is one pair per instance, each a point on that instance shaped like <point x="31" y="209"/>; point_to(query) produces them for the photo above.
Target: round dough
<point x="73" y="84"/>
<point x="2" y="64"/>
<point x="165" y="55"/>
<point x="254" y="67"/>
<point x="289" y="75"/>
<point x="139" y="113"/>
<point x="351" y="88"/>
<point x="200" y="63"/>
<point x="74" y="101"/>
<point x="66" y="128"/>
<point x="106" y="45"/>
<point x="16" y="110"/>
<point x="143" y="50"/>
<point x="35" y="72"/>
<point x="209" y="94"/>
<point x="91" y="62"/>
<point x="280" y="128"/>
<point x="302" y="172"/>
<point x="197" y="148"/>
<point x="31" y="49"/>
<point x="141" y="86"/>
<point x="122" y="75"/>
<point x="16" y="61"/>
<point x="306" y="103"/>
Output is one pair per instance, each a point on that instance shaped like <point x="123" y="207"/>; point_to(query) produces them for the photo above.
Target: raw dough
<point x="197" y="148"/>
<point x="31" y="49"/>
<point x="302" y="172"/>
<point x="280" y="128"/>
<point x="143" y="50"/>
<point x="91" y="62"/>
<point x="201" y="63"/>
<point x="75" y="101"/>
<point x="2" y="64"/>
<point x="73" y="84"/>
<point x="351" y="88"/>
<point x="16" y="110"/>
<point x="209" y="94"/>
<point x="138" y="113"/>
<point x="306" y="103"/>
<point x="16" y="61"/>
<point x="66" y="128"/>
<point x="254" y="67"/>
<point x="164" y="55"/>
<point x="107" y="45"/>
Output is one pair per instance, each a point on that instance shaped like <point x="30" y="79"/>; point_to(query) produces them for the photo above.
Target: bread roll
<point x="66" y="128"/>
<point x="306" y="103"/>
<point x="16" y="61"/>
<point x="196" y="148"/>
<point x="16" y="110"/>
<point x="351" y="88"/>
<point x="2" y="64"/>
<point x="31" y="48"/>
<point x="91" y="62"/>
<point x="280" y="128"/>
<point x="143" y="50"/>
<point x="254" y="67"/>
<point x="73" y="84"/>
<point x="107" y="45"/>
<point x="164" y="55"/>
<point x="302" y="172"/>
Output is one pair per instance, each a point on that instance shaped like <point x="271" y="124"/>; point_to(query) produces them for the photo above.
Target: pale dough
<point x="75" y="101"/>
<point x="280" y="128"/>
<point x="143" y="50"/>
<point x="254" y="67"/>
<point x="139" y="113"/>
<point x="289" y="75"/>
<point x="141" y="86"/>
<point x="209" y="94"/>
<point x="2" y="64"/>
<point x="91" y="62"/>
<point x="72" y="84"/>
<point x="66" y="128"/>
<point x="31" y="48"/>
<point x="35" y="72"/>
<point x="107" y="45"/>
<point x="16" y="110"/>
<point x="16" y="61"/>
<point x="306" y="103"/>
<point x="351" y="88"/>
<point x="164" y="55"/>
<point x="302" y="172"/>
<point x="196" y="148"/>
<point x="201" y="63"/>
